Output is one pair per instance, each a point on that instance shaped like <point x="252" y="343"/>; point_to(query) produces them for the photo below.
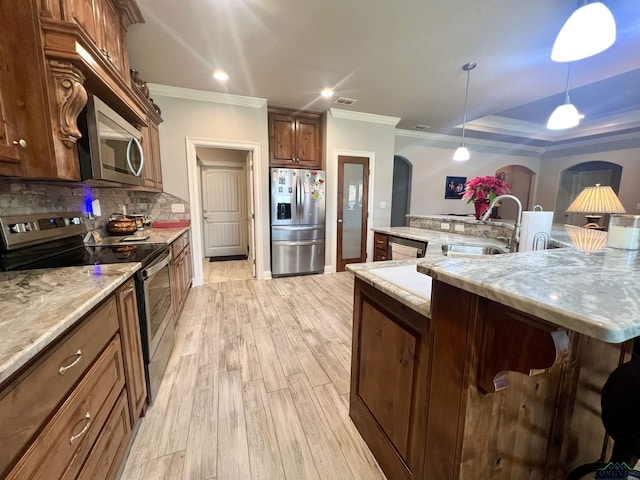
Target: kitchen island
<point x="500" y="377"/>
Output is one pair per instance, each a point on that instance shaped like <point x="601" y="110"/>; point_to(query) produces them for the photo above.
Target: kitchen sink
<point x="455" y="250"/>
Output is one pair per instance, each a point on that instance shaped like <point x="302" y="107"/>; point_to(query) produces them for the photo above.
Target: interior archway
<point x="575" y="178"/>
<point x="401" y="191"/>
<point x="521" y="180"/>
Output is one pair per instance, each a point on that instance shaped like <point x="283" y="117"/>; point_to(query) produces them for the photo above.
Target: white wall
<point x="198" y="118"/>
<point x="361" y="135"/>
<point x="433" y="162"/>
<point x="629" y="159"/>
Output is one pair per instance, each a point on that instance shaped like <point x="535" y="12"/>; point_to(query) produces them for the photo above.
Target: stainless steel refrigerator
<point x="297" y="221"/>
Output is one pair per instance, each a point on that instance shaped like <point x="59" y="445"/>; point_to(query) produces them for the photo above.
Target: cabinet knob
<point x="22" y="142"/>
<point x="339" y="220"/>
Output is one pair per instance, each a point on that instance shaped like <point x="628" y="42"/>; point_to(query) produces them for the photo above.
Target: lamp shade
<point x="591" y="29"/>
<point x="596" y="199"/>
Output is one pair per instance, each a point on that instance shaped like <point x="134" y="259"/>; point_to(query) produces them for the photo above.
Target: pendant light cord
<point x="468" y="67"/>
<point x="566" y="90"/>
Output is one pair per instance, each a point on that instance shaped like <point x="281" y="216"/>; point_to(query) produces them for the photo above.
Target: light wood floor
<point x="257" y="385"/>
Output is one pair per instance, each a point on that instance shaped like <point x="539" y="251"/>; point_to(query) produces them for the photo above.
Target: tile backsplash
<point x="20" y="197"/>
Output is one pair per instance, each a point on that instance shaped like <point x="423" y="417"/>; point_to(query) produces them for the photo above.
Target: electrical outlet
<point x="383" y="204"/>
<point x="177" y="207"/>
<point x="459" y="227"/>
<point x="444" y="226"/>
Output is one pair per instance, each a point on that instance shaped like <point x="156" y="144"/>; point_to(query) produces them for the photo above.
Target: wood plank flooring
<point x="257" y="385"/>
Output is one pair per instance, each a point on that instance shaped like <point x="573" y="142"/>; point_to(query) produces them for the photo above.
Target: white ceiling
<point x="400" y="58"/>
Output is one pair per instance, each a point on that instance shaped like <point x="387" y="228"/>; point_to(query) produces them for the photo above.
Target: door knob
<point x="22" y="142"/>
<point x="339" y="220"/>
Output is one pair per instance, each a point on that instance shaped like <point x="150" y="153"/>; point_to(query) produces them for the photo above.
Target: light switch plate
<point x="177" y="207"/>
<point x="95" y="207"/>
<point x="459" y="227"/>
<point x="444" y="226"/>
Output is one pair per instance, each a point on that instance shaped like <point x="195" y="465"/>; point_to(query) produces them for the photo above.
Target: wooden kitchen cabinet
<point x="66" y="414"/>
<point x="55" y="53"/>
<point x="295" y="139"/>
<point x="479" y="390"/>
<point x="380" y="247"/>
<point x="132" y="349"/>
<point x="181" y="273"/>
<point x="152" y="171"/>
<point x="389" y="380"/>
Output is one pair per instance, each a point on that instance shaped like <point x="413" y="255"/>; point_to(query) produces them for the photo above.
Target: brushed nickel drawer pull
<point x="72" y="364"/>
<point x="128" y="290"/>
<point x="73" y="438"/>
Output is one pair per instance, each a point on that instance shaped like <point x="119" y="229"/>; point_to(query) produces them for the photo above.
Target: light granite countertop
<point x="40" y="305"/>
<point x="582" y="286"/>
<point x="438" y="237"/>
<point x="594" y="293"/>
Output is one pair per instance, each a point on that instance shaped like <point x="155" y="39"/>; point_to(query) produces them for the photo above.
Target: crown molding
<point x="363" y="117"/>
<point x="537" y="131"/>
<point x="450" y="141"/>
<point x="205" y="96"/>
<point x="622" y="141"/>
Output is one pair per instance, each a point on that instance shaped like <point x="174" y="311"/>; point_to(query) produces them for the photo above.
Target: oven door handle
<point x="149" y="272"/>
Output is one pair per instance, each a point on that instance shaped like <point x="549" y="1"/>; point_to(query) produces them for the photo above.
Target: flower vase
<point x="481" y="207"/>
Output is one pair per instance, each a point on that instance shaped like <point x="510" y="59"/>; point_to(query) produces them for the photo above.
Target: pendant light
<point x="589" y="30"/>
<point x="565" y="115"/>
<point x="462" y="153"/>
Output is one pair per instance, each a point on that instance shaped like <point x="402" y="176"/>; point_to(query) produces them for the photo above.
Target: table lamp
<point x="595" y="200"/>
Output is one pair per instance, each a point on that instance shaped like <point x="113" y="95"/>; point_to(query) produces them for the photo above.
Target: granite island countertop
<point x="593" y="293"/>
<point x="39" y="305"/>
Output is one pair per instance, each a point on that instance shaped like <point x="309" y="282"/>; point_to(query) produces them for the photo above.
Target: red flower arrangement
<point x="484" y="189"/>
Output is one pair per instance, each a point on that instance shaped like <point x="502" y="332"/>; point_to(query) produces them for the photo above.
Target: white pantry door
<point x="224" y="211"/>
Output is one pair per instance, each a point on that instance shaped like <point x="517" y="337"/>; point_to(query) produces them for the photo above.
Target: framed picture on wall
<point x="454" y="187"/>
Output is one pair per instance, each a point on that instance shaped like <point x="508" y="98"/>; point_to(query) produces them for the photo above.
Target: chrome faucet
<point x="515" y="237"/>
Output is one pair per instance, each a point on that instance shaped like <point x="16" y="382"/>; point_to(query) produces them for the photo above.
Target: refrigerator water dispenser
<point x="284" y="211"/>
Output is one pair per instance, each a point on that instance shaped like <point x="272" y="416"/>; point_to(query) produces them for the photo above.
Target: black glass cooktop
<point x="51" y="256"/>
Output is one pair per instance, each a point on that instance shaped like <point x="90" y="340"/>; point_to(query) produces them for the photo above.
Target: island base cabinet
<point x="389" y="379"/>
<point x="479" y="391"/>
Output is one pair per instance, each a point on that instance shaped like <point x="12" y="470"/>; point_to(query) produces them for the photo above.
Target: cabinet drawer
<point x="28" y="402"/>
<point x="379" y="255"/>
<point x="380" y="241"/>
<point x="64" y="444"/>
<point x="177" y="246"/>
<point x="104" y="460"/>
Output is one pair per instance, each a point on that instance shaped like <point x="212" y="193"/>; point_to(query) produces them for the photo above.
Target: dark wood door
<point x="353" y="192"/>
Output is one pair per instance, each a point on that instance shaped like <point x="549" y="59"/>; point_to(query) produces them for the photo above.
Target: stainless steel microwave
<point x="109" y="149"/>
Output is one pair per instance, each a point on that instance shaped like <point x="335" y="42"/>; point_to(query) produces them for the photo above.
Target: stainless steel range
<point x="55" y="240"/>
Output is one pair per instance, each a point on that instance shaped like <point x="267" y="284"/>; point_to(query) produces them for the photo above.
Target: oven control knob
<point x="29" y="226"/>
<point x="76" y="220"/>
<point x="18" y="228"/>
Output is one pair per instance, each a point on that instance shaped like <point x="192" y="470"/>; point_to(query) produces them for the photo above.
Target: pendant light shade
<point x="462" y="153"/>
<point x="591" y="29"/>
<point x="565" y="115"/>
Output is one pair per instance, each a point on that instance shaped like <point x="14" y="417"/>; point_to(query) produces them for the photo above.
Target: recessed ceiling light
<point x="327" y="92"/>
<point x="220" y="75"/>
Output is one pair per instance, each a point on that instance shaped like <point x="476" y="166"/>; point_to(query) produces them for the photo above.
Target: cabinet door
<point x="389" y="380"/>
<point x="84" y="13"/>
<point x="110" y="37"/>
<point x="154" y="134"/>
<point x="148" y="174"/>
<point x="132" y="349"/>
<point x="174" y="272"/>
<point x="10" y="158"/>
<point x="282" y="138"/>
<point x="308" y="141"/>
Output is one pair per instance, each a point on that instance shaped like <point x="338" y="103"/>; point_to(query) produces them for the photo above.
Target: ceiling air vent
<point x="345" y="101"/>
<point x="422" y="127"/>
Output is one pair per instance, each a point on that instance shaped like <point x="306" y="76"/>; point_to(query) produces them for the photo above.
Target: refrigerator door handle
<point x="298" y="227"/>
<point x="299" y="195"/>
